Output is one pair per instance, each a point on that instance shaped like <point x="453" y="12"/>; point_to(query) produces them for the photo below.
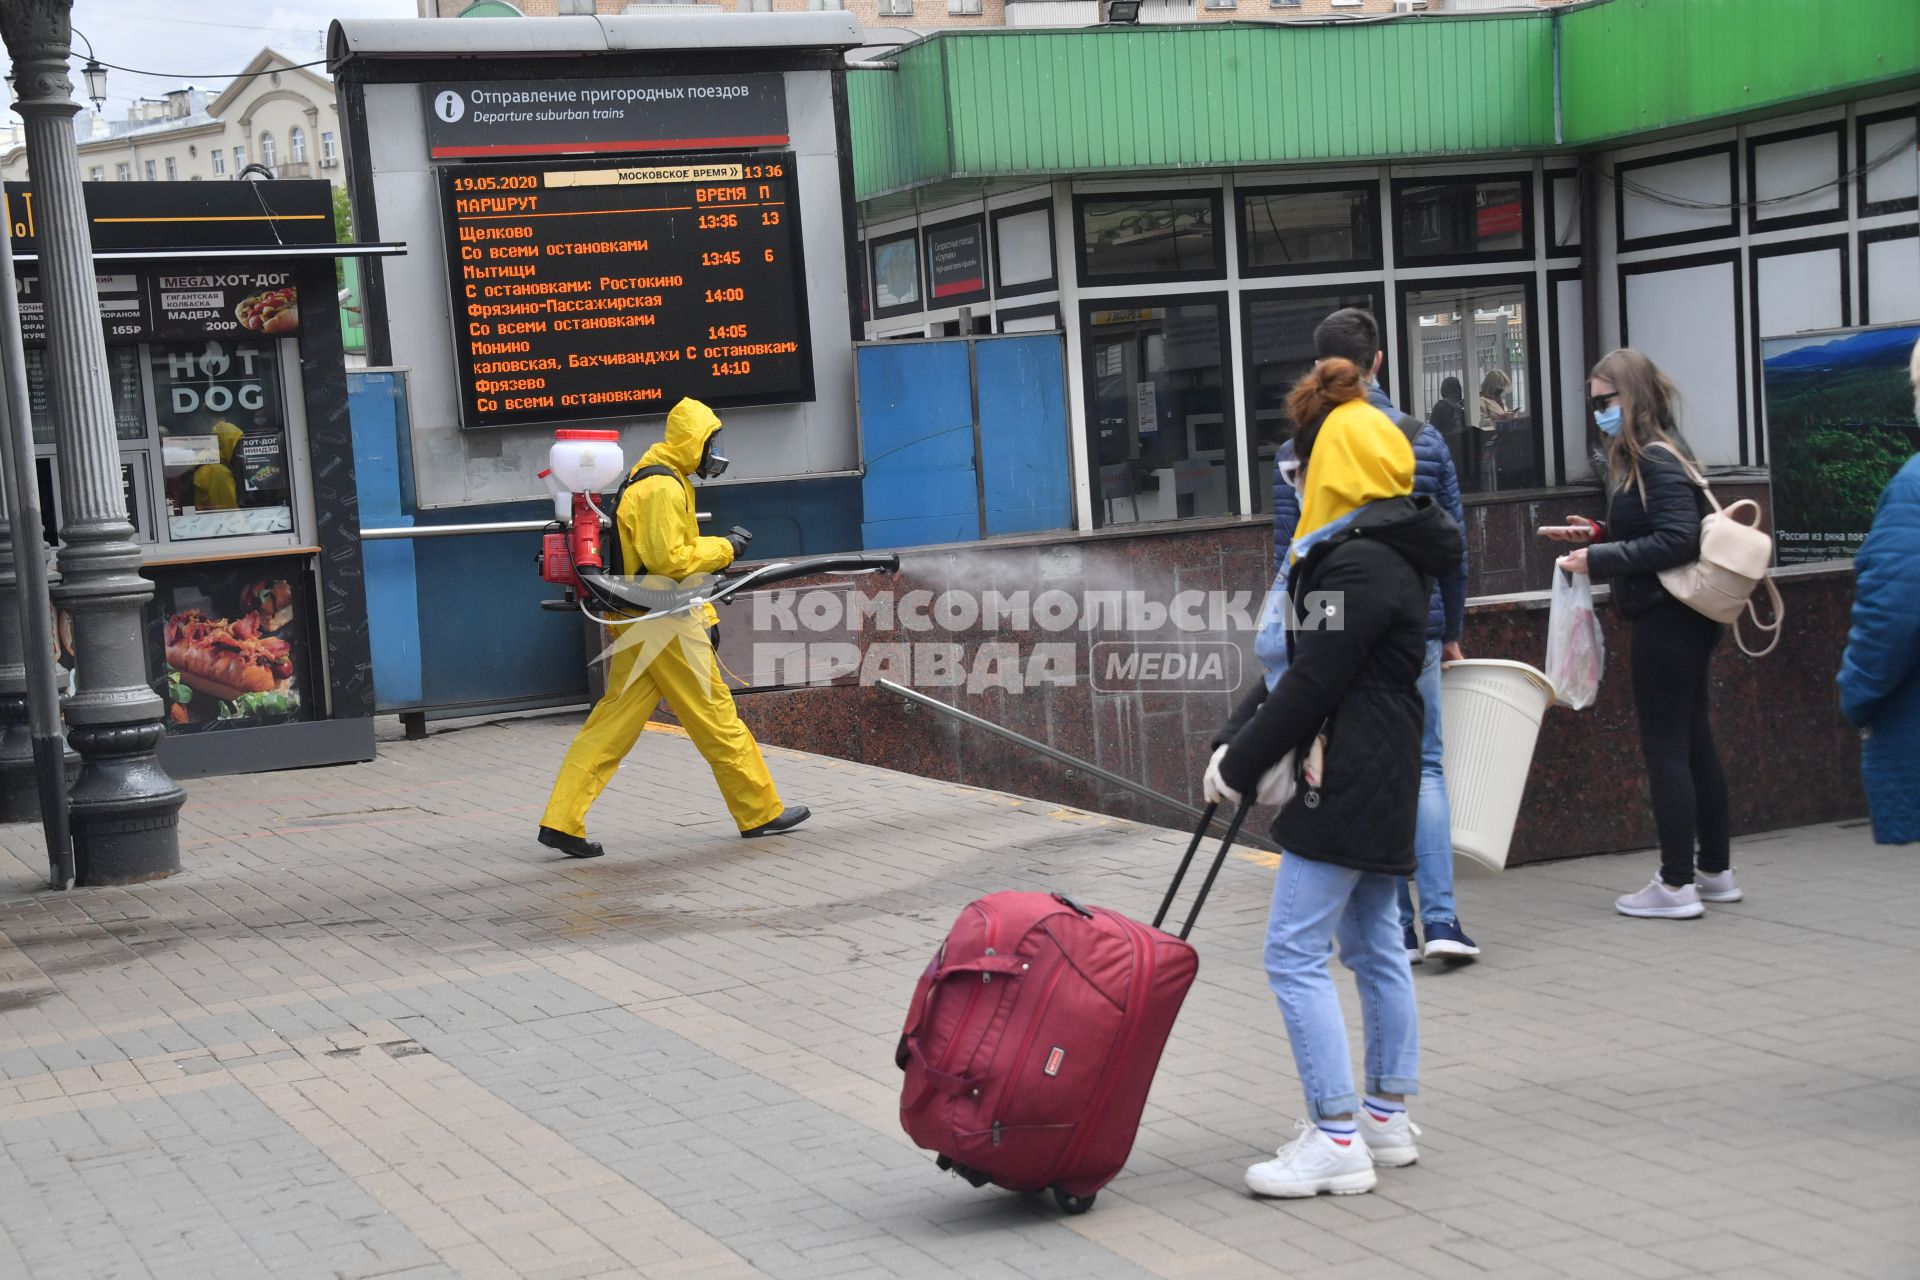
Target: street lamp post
<point x="125" y="807"/>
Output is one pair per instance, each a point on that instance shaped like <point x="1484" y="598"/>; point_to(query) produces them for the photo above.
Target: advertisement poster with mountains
<point x="1840" y="422"/>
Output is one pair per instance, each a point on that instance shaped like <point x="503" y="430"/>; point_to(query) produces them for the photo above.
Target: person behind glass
<point x="1653" y="523"/>
<point x="1448" y="416"/>
<point x="1368" y="552"/>
<point x="1879" y="678"/>
<point x="1352" y="333"/>
<point x="1494" y="410"/>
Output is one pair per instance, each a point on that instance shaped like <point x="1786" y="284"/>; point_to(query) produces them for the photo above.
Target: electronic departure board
<point x="594" y="289"/>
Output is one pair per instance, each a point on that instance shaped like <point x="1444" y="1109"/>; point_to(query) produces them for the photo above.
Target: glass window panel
<point x="223" y="437"/>
<point x="123" y="374"/>
<point x="1279" y="342"/>
<point x="1451" y="219"/>
<point x="1162" y="430"/>
<point x="1288" y="229"/>
<point x="1130" y="237"/>
<point x="1470" y="350"/>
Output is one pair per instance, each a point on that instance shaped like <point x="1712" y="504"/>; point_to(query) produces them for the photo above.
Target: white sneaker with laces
<point x="1390" y="1140"/>
<point x="1659" y="902"/>
<point x="1717" y="886"/>
<point x="1313" y="1163"/>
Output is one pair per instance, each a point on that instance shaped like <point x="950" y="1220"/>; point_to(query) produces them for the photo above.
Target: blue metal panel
<point x="483" y="636"/>
<point x="916" y="436"/>
<point x="377" y="409"/>
<point x="1023" y="433"/>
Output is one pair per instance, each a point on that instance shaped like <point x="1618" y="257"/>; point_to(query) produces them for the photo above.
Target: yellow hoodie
<point x="657" y="526"/>
<point x="1358" y="457"/>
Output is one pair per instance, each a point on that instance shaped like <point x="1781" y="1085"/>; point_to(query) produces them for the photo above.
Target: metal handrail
<point x="1054" y="753"/>
<point x="457" y="530"/>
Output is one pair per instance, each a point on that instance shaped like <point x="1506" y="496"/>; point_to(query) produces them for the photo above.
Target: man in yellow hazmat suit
<point x="659" y="536"/>
<point x="213" y="487"/>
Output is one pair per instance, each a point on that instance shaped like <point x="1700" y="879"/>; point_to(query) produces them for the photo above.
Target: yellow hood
<point x="1358" y="457"/>
<point x="229" y="436"/>
<point x="690" y="425"/>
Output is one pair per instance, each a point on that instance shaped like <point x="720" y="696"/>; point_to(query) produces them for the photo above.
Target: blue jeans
<point x="1315" y="903"/>
<point x="1433" y="831"/>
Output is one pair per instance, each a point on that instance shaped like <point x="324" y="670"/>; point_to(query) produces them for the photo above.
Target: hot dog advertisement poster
<point x="221" y="318"/>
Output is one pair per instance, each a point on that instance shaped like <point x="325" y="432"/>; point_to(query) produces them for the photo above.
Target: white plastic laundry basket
<point x="1490" y="714"/>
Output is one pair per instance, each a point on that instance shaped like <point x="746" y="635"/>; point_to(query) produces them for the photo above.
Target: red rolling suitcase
<point x="1033" y="1036"/>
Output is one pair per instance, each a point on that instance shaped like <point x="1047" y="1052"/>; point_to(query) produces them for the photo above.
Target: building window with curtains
<point x="329" y="149"/>
<point x="123" y="172"/>
<point x="269" y="154"/>
<point x="964" y="8"/>
<point x="219" y="162"/>
<point x="151" y="169"/>
<point x="297" y="145"/>
<point x="173" y="170"/>
<point x="97" y="173"/>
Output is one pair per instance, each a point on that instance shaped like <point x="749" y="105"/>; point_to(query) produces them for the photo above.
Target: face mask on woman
<point x="1608" y="420"/>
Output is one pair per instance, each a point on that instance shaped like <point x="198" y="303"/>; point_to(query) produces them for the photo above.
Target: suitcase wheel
<point x="1072" y="1204"/>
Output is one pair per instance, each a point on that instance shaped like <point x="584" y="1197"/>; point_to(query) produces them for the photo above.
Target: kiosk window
<point x="1161" y="433"/>
<point x="123" y="374"/>
<point x="1469" y="350"/>
<point x="1309" y="228"/>
<point x="1463" y="220"/>
<point x="223" y="439"/>
<point x="1149" y="236"/>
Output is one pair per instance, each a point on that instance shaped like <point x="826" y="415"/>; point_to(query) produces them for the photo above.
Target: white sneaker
<point x="1658" y="902"/>
<point x="1313" y="1163"/>
<point x="1390" y="1140"/>
<point x="1717" y="886"/>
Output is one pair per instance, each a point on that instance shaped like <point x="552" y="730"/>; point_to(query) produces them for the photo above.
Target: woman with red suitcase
<point x="1344" y="723"/>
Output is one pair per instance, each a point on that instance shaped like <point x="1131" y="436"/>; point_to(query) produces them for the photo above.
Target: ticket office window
<point x="1160" y="423"/>
<point x="209" y="432"/>
<point x="1277" y="332"/>
<point x="1471" y="371"/>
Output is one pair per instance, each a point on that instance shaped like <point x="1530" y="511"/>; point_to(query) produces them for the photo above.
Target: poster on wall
<point x="896" y="274"/>
<point x="1840" y="422"/>
<point x="235" y="644"/>
<point x="957" y="262"/>
<point x="239" y="304"/>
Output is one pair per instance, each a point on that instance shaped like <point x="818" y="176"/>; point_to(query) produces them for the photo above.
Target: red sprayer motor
<point x="580" y="465"/>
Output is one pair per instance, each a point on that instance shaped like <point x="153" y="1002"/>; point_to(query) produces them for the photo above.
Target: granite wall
<point x="1586" y="793"/>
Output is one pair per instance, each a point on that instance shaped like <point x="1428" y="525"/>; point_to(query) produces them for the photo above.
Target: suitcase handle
<point x="1206" y="886"/>
<point x="986" y="967"/>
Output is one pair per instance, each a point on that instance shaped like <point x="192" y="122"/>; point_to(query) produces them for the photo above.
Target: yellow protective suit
<point x="213" y="487"/>
<point x="670" y="658"/>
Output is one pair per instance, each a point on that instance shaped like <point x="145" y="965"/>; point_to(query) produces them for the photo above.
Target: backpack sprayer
<point x="583" y="465"/>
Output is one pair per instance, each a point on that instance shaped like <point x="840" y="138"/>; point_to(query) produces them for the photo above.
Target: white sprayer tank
<point x="583" y="462"/>
<point x="1490" y="713"/>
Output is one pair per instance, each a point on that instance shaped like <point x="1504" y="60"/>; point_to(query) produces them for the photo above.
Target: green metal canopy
<point x="981" y="108"/>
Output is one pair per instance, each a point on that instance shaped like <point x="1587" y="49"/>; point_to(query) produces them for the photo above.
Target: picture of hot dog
<point x="212" y="659"/>
<point x="271" y="602"/>
<point x="275" y="311"/>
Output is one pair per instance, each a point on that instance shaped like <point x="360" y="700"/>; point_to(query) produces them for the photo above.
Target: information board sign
<point x="594" y="289"/>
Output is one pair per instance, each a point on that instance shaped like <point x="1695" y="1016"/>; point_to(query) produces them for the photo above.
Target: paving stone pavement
<point x="373" y="1030"/>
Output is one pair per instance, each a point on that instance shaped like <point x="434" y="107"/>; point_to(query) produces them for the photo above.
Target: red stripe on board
<point x="974" y="285"/>
<point x="664" y="144"/>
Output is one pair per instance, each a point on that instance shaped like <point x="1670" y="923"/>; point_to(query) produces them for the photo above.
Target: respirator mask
<point x="713" y="464"/>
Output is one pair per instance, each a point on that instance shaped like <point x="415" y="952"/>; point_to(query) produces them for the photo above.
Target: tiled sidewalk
<point x="375" y="1031"/>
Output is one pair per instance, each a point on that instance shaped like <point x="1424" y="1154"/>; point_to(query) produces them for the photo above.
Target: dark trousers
<point x="1671" y="648"/>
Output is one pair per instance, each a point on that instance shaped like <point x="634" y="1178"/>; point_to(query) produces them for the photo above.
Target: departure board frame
<point x="514" y="239"/>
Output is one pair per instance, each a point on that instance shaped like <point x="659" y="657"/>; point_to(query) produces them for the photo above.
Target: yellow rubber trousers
<point x="685" y="671"/>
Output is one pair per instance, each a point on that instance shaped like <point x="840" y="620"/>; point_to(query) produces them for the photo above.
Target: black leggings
<point x="1671" y="648"/>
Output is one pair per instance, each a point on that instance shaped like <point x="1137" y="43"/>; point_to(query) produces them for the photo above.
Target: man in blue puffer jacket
<point x="1880" y="674"/>
<point x="1353" y="334"/>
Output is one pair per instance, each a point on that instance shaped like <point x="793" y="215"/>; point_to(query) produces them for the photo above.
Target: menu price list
<point x="596" y="289"/>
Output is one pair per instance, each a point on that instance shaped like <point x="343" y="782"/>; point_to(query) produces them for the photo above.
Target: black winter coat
<point x="1642" y="538"/>
<point x="1360" y="682"/>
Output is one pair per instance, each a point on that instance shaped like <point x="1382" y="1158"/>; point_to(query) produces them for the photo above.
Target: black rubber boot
<point x="572" y="846"/>
<point x="787" y="821"/>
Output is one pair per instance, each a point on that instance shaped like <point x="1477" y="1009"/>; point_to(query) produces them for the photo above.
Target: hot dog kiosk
<point x="219" y="305"/>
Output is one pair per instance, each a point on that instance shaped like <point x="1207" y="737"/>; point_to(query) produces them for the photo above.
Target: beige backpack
<point x="1735" y="556"/>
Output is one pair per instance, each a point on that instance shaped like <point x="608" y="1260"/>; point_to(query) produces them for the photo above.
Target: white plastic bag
<point x="1576" y="652"/>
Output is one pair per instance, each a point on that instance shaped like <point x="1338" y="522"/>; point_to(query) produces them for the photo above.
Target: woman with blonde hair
<point x="1347" y="706"/>
<point x="1653" y="523"/>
